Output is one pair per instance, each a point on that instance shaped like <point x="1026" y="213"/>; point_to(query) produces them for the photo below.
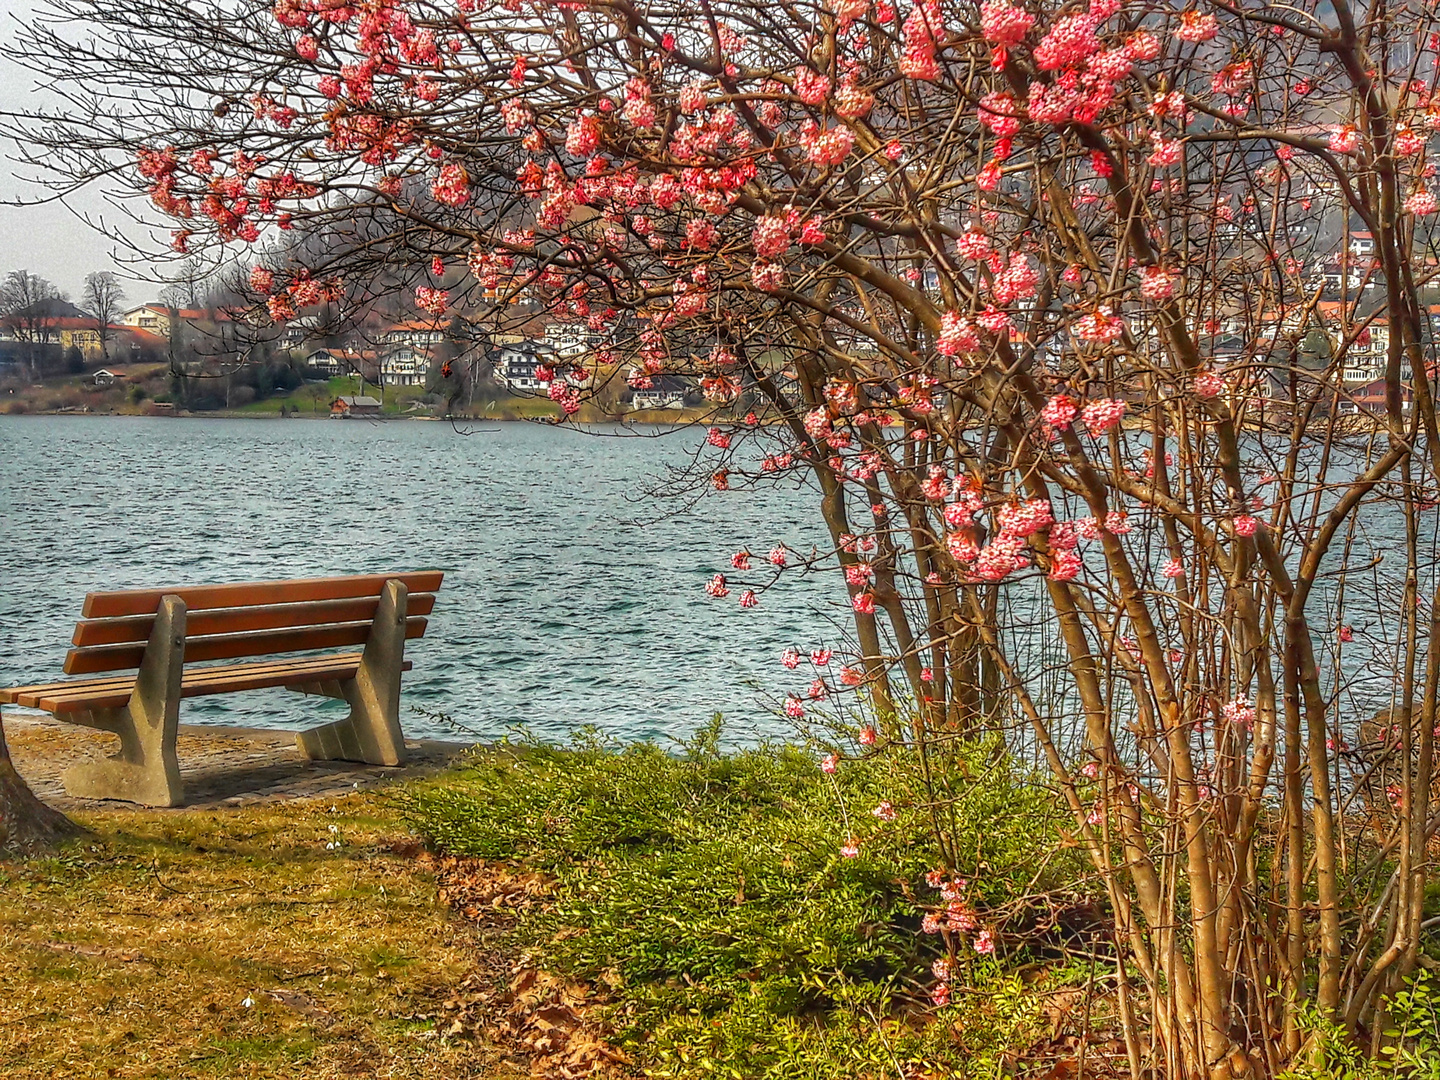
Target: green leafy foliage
<point x="1410" y="1047"/>
<point x="709" y="890"/>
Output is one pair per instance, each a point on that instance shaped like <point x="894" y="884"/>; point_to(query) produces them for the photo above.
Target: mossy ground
<point x="132" y="953"/>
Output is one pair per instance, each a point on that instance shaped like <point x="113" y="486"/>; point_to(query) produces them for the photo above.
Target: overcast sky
<point x="49" y="240"/>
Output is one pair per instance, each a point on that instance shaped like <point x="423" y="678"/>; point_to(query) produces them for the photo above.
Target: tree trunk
<point x="27" y="825"/>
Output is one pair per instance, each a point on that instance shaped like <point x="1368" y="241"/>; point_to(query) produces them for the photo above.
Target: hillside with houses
<point x="161" y="358"/>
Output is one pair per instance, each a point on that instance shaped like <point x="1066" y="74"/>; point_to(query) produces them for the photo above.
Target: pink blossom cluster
<point x="826" y="146"/>
<point x="1101" y="326"/>
<point x="1239" y="712"/>
<point x="958" y="335"/>
<point x="923" y="30"/>
<point x="1100" y="416"/>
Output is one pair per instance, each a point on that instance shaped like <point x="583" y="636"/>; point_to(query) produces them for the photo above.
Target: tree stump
<point x="27" y="825"/>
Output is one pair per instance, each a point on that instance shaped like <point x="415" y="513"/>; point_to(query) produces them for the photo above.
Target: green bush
<point x="710" y="890"/>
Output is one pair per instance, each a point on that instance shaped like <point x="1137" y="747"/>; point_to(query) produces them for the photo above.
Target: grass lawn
<point x="134" y="953"/>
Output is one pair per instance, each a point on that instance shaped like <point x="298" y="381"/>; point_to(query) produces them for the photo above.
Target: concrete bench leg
<point x="371" y="733"/>
<point x="146" y="770"/>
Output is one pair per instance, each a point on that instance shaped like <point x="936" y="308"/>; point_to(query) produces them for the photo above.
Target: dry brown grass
<point x="132" y="954"/>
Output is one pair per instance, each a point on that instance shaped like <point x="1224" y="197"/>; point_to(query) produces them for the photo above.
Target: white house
<point x="405" y="365"/>
<point x="665" y="392"/>
<point x="422" y="334"/>
<point x="517" y="366"/>
<point x="329" y="362"/>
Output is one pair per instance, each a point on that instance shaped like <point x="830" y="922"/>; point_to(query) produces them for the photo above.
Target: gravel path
<point x="221" y="766"/>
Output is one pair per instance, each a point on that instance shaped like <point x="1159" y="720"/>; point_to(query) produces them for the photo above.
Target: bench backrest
<point x="256" y="618"/>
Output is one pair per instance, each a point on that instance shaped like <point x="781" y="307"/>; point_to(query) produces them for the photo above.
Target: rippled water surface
<point x="566" y="602"/>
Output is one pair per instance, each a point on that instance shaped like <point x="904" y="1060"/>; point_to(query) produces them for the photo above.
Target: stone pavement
<point x="220" y="766"/>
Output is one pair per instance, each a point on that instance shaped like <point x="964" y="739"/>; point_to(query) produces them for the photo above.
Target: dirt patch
<point x="219" y="766"/>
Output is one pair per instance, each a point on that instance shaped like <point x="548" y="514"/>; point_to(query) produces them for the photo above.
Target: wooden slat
<point x="30" y="696"/>
<point x="109" y="605"/>
<point x="132" y="628"/>
<point x="229" y="646"/>
<point x="219" y="680"/>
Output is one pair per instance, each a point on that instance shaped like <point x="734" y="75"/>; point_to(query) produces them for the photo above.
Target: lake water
<point x="567" y="600"/>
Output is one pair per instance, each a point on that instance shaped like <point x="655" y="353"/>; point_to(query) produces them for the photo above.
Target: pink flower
<point x="452" y="186"/>
<point x="431" y="300"/>
<point x="790" y="658"/>
<point x="1157" y="283"/>
<point x="867" y="736"/>
<point x="829" y="146"/>
<point x="884" y="811"/>
<point x="1026" y="518"/>
<point x="1347" y="633"/>
<point x="1000" y="112"/>
<point x="1173" y="568"/>
<point x="1091" y="770"/>
<point x="1240" y="712"/>
<point x="985" y="942"/>
<point x="1003" y="24"/>
<point x="582" y="136"/>
<point x="850" y="676"/>
<point x="777" y="556"/>
<point x="793" y="708"/>
<point x="1208" y="384"/>
<point x="821" y="657"/>
<point x="850" y="849"/>
<point x="767" y="276"/>
<point x="717" y="438"/>
<point x="716" y="587"/>
<point x="1100" y="416"/>
<point x="957" y="335"/>
<point x="1069" y="41"/>
<point x="864" y="603"/>
<point x="1195" y="27"/>
<point x="1408" y="142"/>
<point x="1065" y="565"/>
<point x="1421" y="203"/>
<point x="1059" y="411"/>
<point x="923" y="27"/>
<point x="1166" y="151"/>
<point x="1246" y="525"/>
<point x="1345" y="139"/>
<point x="748" y="599"/>
<point x="829" y="763"/>
<point x="1101" y="325"/>
<point x="770" y="237"/>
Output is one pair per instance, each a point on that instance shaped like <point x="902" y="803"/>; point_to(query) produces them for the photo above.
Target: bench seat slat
<point x="31" y="696"/>
<point x="84" y="695"/>
<point x="254" y="593"/>
<point x="229" y="646"/>
<point x="136" y="628"/>
<point x="23" y="695"/>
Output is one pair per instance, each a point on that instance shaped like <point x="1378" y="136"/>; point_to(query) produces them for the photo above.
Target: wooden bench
<point x="161" y="638"/>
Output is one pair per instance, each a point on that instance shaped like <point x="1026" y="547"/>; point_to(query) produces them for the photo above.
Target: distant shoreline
<point x="629" y="418"/>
